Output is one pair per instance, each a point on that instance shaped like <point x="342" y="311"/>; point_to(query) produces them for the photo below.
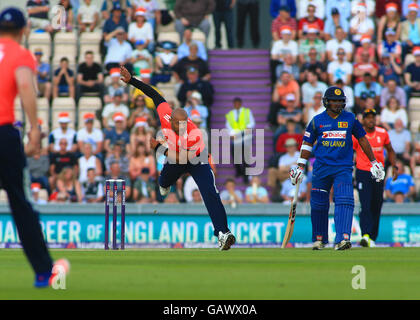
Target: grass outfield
<point x="391" y="273"/>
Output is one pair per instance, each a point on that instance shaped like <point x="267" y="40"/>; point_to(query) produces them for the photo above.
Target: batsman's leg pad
<point x="320" y="205"/>
<point x="344" y="207"/>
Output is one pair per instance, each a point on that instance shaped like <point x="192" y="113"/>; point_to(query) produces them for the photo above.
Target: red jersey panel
<point x="12" y="56"/>
<point x="377" y="139"/>
<point x="192" y="140"/>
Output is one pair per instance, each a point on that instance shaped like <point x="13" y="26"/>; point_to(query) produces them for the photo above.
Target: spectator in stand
<point x="146" y="78"/>
<point x="90" y="135"/>
<point x="401" y="142"/>
<point x="284" y="46"/>
<point x="141" y="159"/>
<point x="153" y="14"/>
<point x="315" y="64"/>
<point x="144" y="188"/>
<point x="284" y="86"/>
<point x="38" y="15"/>
<point x="119" y="50"/>
<point x="340" y="69"/>
<point x="116" y="172"/>
<point x="405" y="7"/>
<point x="412" y="76"/>
<point x="365" y="66"/>
<point x="141" y="30"/>
<point x="366" y="46"/>
<point x="343" y="7"/>
<point x="287" y="192"/>
<point x="369" y="4"/>
<point x="245" y="8"/>
<point x="141" y="58"/>
<point x="115" y="86"/>
<point x="35" y="188"/>
<point x="289" y="65"/>
<point x="111" y="109"/>
<point x="367" y="103"/>
<point x="59" y="160"/>
<point x="231" y="196"/>
<point x="381" y="5"/>
<point x="312" y="41"/>
<point x="194" y="83"/>
<point x="289" y="112"/>
<point x="189" y="187"/>
<point x="88" y="160"/>
<point x="118" y="155"/>
<point x="123" y="6"/>
<point x="141" y="111"/>
<point x="389" y="22"/>
<point x="140" y="134"/>
<point x="361" y="24"/>
<point x="63" y="80"/>
<point x="410" y="29"/>
<point x="391" y="113"/>
<point x="312" y="86"/>
<point x="171" y="198"/>
<point x="393" y="90"/>
<point x="196" y="195"/>
<point x="38" y="166"/>
<point x="313" y="108"/>
<point x="389" y="69"/>
<point x="416" y="151"/>
<point x="63" y="131"/>
<point x="193" y="60"/>
<point x="339" y="41"/>
<point x="223" y="12"/>
<point x="42" y="75"/>
<point x="184" y="47"/>
<point x="335" y="22"/>
<point x="194" y="103"/>
<point x="403" y="187"/>
<point x="165" y="62"/>
<point x="68" y="14"/>
<point x="348" y="91"/>
<point x="391" y="46"/>
<point x="117" y="133"/>
<point x="319" y="8"/>
<point x="256" y="193"/>
<point x="87" y="16"/>
<point x="90" y="78"/>
<point x="116" y="20"/>
<point x="292" y="132"/>
<point x="310" y="21"/>
<point x="367" y="88"/>
<point x="277" y="5"/>
<point x="192" y="13"/>
<point x="92" y="189"/>
<point x="283" y="22"/>
<point x="68" y="187"/>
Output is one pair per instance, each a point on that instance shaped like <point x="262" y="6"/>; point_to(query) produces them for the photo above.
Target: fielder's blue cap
<point x="12" y="18"/>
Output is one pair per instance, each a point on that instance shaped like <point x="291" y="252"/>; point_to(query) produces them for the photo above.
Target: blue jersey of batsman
<point x="334" y="145"/>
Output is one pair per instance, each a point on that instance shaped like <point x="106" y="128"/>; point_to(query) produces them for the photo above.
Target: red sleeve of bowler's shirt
<point x="26" y="59"/>
<point x="164" y="111"/>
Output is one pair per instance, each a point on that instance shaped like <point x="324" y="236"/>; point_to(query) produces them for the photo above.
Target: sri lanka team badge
<point x="343" y="124"/>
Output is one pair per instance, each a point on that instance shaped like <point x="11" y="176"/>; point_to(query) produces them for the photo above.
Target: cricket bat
<point x="292" y="215"/>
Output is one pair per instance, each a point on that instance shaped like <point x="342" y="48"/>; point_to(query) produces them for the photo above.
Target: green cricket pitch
<point x="274" y="274"/>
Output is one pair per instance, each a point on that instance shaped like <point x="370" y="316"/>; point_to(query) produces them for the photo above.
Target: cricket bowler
<point x="332" y="130"/>
<point x="185" y="148"/>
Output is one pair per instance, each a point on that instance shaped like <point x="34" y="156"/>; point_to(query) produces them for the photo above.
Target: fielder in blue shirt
<point x="331" y="131"/>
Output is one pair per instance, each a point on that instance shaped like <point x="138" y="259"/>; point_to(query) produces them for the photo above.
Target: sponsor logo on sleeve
<point x="307" y="134"/>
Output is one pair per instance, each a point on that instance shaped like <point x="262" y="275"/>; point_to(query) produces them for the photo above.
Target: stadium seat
<point x="92" y="103"/>
<point x="414" y="103"/>
<point x="198" y="35"/>
<point x="44" y="113"/>
<point x="90" y="38"/>
<point x="169" y="36"/>
<point x="409" y="58"/>
<point x="414" y="115"/>
<point x="65" y="43"/>
<point x="40" y="40"/>
<point x="168" y="28"/>
<point x="414" y="126"/>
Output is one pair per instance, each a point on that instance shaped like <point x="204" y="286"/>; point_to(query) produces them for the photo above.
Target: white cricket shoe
<point x="343" y="245"/>
<point x="226" y="240"/>
<point x="318" y="245"/>
<point x="164" y="191"/>
<point x="364" y="242"/>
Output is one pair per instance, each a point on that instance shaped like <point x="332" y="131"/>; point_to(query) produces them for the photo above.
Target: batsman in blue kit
<point x="329" y="137"/>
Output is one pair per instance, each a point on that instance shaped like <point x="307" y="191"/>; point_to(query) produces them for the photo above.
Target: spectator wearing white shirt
<point x="256" y="193"/>
<point x="63" y="132"/>
<point x="313" y="108"/>
<point x="400" y="139"/>
<point x="369" y="4"/>
<point x="91" y="135"/>
<point x="184" y="47"/>
<point x="361" y="24"/>
<point x="303" y="8"/>
<point x="153" y="14"/>
<point x="119" y="50"/>
<point x="312" y="86"/>
<point x="339" y="41"/>
<point x="140" y="29"/>
<point x="116" y="85"/>
<point x="340" y="69"/>
<point x="88" y="16"/>
<point x="87" y="161"/>
<point x="348" y="91"/>
<point x="189" y="186"/>
<point x="392" y="112"/>
<point x="288" y="191"/>
<point x="286" y="45"/>
<point x="111" y="108"/>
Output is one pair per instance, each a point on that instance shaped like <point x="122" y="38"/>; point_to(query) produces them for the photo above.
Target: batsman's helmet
<point x="334" y="93"/>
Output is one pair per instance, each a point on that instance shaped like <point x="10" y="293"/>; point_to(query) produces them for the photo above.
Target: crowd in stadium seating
<point x="370" y="49"/>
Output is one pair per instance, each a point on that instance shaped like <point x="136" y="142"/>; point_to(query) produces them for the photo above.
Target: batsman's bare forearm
<point x="27" y="92"/>
<point x="367" y="149"/>
<point x="392" y="157"/>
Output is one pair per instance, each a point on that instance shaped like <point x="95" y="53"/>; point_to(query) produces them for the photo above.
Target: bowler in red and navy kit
<point x="186" y="153"/>
<point x="332" y="130"/>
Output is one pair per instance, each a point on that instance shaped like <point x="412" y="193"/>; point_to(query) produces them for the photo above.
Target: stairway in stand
<point x="244" y="74"/>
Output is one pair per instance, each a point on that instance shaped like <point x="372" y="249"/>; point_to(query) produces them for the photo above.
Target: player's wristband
<point x="302" y="161"/>
<point x="306" y="147"/>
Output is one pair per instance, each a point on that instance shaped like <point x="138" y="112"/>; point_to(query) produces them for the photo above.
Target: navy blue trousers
<point x="12" y="162"/>
<point x="204" y="177"/>
<point x="371" y="199"/>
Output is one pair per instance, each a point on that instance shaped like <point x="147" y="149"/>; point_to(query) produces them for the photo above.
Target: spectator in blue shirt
<point x="367" y="89"/>
<point x="275" y="6"/>
<point x="184" y="47"/>
<point x="125" y="6"/>
<point x="255" y="193"/>
<point x="42" y="75"/>
<point x="334" y="21"/>
<point x="404" y="184"/>
<point x="343" y="6"/>
<point x="116" y="20"/>
<point x="63" y="81"/>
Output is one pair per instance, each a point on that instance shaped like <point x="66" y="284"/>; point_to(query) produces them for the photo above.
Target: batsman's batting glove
<point x="296" y="174"/>
<point x="377" y="171"/>
<point x="164" y="151"/>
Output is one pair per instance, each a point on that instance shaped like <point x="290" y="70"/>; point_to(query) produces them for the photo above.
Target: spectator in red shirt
<point x="283" y="19"/>
<point x="365" y="66"/>
<point x="310" y="19"/>
<point x="291" y="133"/>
